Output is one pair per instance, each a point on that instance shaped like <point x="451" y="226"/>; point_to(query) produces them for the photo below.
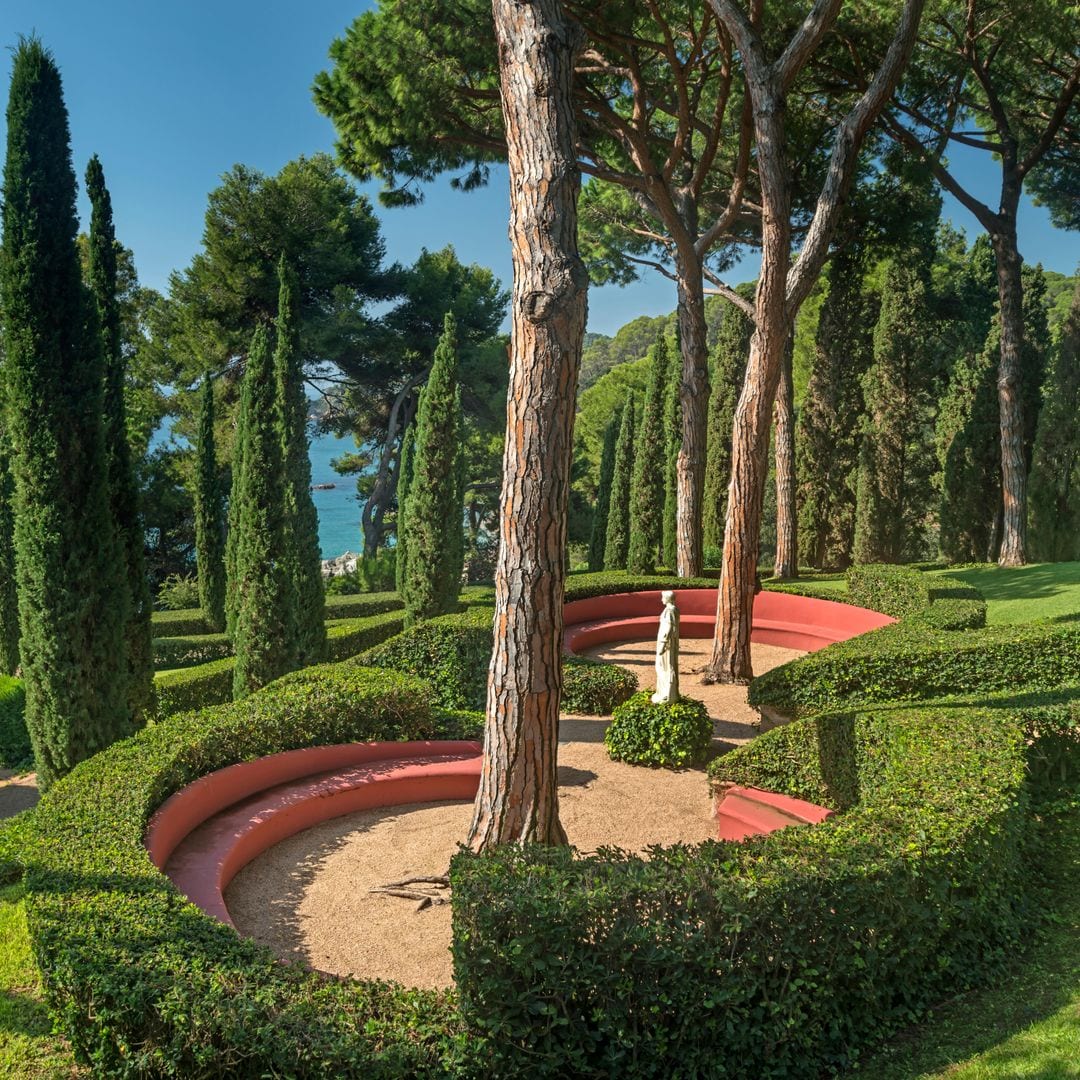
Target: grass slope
<point x="1025" y="594"/>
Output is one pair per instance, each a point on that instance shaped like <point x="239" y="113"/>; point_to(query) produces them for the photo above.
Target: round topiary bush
<point x="673" y="736"/>
<point x="595" y="688"/>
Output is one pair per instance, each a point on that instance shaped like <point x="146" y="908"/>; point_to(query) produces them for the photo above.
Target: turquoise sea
<point x="339" y="510"/>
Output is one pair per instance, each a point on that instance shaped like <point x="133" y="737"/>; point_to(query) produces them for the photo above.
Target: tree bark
<point x="694" y="397"/>
<point x="787" y="536"/>
<point x="1013" y="550"/>
<point x="517" y="801"/>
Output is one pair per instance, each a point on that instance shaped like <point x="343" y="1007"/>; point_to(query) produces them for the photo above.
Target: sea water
<point x="338" y="509"/>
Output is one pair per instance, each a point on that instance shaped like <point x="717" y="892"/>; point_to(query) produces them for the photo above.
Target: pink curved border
<point x="785" y="619"/>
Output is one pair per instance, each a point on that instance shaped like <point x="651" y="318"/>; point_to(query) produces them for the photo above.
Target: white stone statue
<point x="667" y="652"/>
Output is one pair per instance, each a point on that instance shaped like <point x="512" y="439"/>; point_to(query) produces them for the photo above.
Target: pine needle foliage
<point x="209" y="515"/>
<point x="265" y="616"/>
<point x="124" y="496"/>
<point x="432" y="578"/>
<point x="69" y="566"/>
<point x="598" y="537"/>
<point x="302" y="554"/>
<point x="647" y="485"/>
<point x="617" y="542"/>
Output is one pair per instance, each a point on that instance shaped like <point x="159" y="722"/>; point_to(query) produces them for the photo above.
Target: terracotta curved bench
<point x="794" y="622"/>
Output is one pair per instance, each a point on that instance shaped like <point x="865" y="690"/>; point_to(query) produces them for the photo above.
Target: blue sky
<point x="172" y="95"/>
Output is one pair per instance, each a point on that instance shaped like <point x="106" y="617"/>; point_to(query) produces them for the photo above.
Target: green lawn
<point x="1039" y="591"/>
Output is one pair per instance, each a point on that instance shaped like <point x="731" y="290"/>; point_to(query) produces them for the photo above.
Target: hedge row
<point x="348" y="637"/>
<point x="953" y="615"/>
<point x="780" y="956"/>
<point x="361" y="605"/>
<point x="15" y="750"/>
<point x="912" y="660"/>
<point x="182" y="652"/>
<point x="186" y="622"/>
<point x="584" y="586"/>
<point x="142" y="982"/>
<point x="892" y="590"/>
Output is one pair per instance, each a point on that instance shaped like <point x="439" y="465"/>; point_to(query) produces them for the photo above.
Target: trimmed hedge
<point x="953" y="615"/>
<point x="15" y="749"/>
<point x="892" y="590"/>
<point x="911" y="660"/>
<point x="594" y="688"/>
<point x="194" y="688"/>
<point x="142" y="982"/>
<point x="668" y="736"/>
<point x="182" y="652"/>
<point x="18" y="840"/>
<point x="583" y="586"/>
<point x="348" y="637"/>
<point x="361" y="605"/>
<point x="780" y="956"/>
<point x="186" y="622"/>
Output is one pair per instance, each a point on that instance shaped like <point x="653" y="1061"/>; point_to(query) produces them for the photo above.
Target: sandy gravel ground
<point x="308" y="899"/>
<point x="17" y="793"/>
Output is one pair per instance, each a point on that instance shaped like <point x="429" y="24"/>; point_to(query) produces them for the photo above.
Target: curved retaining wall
<point x="794" y="622"/>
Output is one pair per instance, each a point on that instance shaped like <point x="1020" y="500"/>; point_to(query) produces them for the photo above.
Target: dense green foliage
<point x="69" y="564"/>
<point x="15" y="749"/>
<point x="184" y="622"/>
<point x="360" y="604"/>
<point x="183" y="652"/>
<point x="209" y="515"/>
<point x="300" y="525"/>
<point x="9" y="597"/>
<point x="617" y="540"/>
<point x="594" y="688"/>
<point x="401" y="531"/>
<point x="650" y="471"/>
<point x="673" y="436"/>
<point x="346" y="638"/>
<point x="598" y="538"/>
<point x="670" y="736"/>
<point x="892" y="590"/>
<point x="434" y="512"/>
<point x="263" y="632"/>
<point x="124" y="500"/>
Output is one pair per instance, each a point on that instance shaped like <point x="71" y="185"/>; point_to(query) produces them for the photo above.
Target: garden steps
<point x="742" y="812"/>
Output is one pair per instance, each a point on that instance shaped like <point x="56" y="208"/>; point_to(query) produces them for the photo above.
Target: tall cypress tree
<point x="9" y="596"/>
<point x="896" y="457"/>
<point x="263" y="598"/>
<point x="209" y="515"/>
<point x="303" y="556"/>
<point x="405" y="467"/>
<point x="673" y="443"/>
<point x="598" y="537"/>
<point x="729" y="364"/>
<point x="232" y="536"/>
<point x="123" y="486"/>
<point x="647" y="486"/>
<point x="435" y="510"/>
<point x="69" y="564"/>
<point x="617" y="542"/>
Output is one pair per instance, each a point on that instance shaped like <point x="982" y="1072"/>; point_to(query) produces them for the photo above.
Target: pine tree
<point x="303" y="556"/>
<point x="896" y="459"/>
<point x="435" y="510"/>
<point x="673" y="434"/>
<point x="209" y="516"/>
<point x="647" y="485"/>
<point x="69" y="565"/>
<point x="828" y="429"/>
<point x="1055" y="474"/>
<point x="617" y="542"/>
<point x="9" y="597"/>
<point x="405" y="467"/>
<point x="729" y="364"/>
<point x="263" y="598"/>
<point x="598" y="539"/>
<point x="123" y="486"/>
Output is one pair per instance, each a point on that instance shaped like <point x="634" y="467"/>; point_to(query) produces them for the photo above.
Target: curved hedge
<point x="892" y="590"/>
<point x="142" y="982"/>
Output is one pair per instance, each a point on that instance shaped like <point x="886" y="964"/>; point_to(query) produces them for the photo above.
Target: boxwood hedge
<point x="185" y="622"/>
<point x="594" y="688"/>
<point x="361" y="605"/>
<point x="892" y="590"/>
<point x="181" y="652"/>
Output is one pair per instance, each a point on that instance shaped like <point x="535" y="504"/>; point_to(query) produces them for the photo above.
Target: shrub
<point x="142" y="982"/>
<point x="347" y="637"/>
<point x="582" y="586"/>
<point x="15" y="749"/>
<point x="672" y="736"/>
<point x="360" y="605"/>
<point x="187" y="622"/>
<point x="780" y="956"/>
<point x="595" y="688"/>
<point x="17" y="844"/>
<point x="194" y="687"/>
<point x="892" y="590"/>
<point x="954" y="615"/>
<point x="178" y="591"/>
<point x="181" y="652"/>
<point x="911" y="660"/>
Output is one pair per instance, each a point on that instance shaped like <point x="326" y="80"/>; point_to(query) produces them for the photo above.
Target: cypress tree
<point x="673" y="440"/>
<point x="617" y="542"/>
<point x="1055" y="475"/>
<point x="209" y="515"/>
<point x="456" y="536"/>
<point x="729" y="365"/>
<point x="232" y="536"/>
<point x="896" y="460"/>
<point x="405" y="467"/>
<point x="828" y="429"/>
<point x="303" y="556"/>
<point x="123" y="486"/>
<point x="598" y="538"/>
<point x="647" y="491"/>
<point x="69" y="565"/>
<point x="434" y="507"/>
<point x="9" y="597"/>
<point x="263" y="598"/>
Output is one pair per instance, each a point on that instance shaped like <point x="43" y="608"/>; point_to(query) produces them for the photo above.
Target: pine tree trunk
<point x="694" y="397"/>
<point x="787" y="535"/>
<point x="1010" y="400"/>
<point x="517" y="801"/>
